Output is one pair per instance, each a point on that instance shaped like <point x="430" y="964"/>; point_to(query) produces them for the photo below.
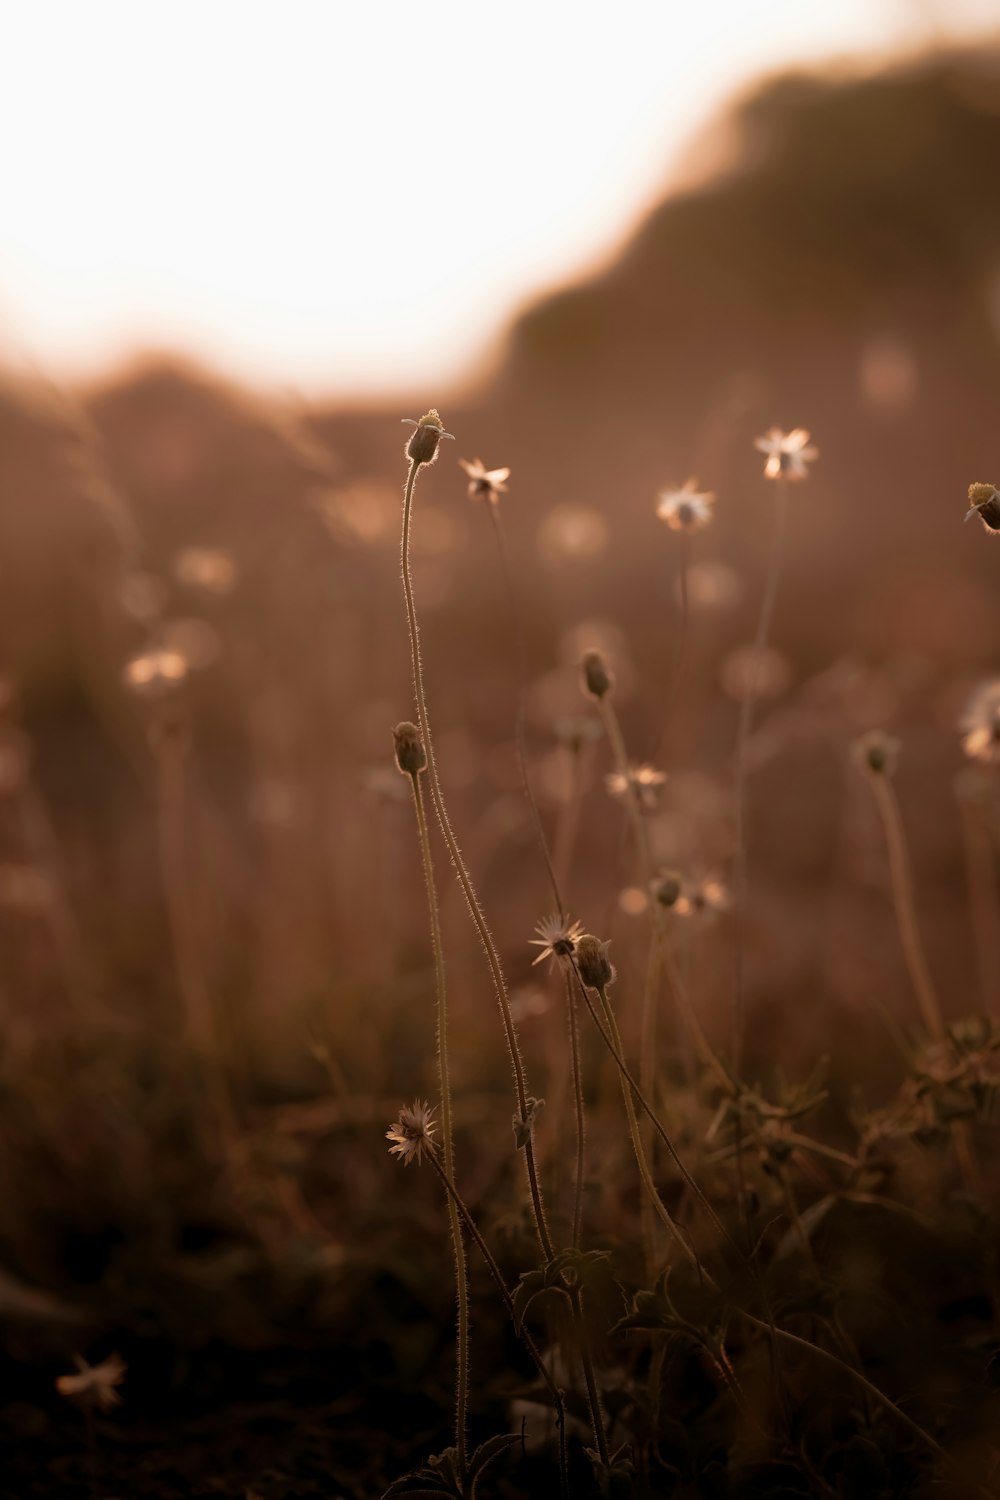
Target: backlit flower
<point x="412" y="1132"/>
<point x="686" y="509"/>
<point x="643" y="781"/>
<point x="485" y="484"/>
<point x="980" y="723"/>
<point x="788" y="453"/>
<point x="557" y="938"/>
<point x="94" y="1385"/>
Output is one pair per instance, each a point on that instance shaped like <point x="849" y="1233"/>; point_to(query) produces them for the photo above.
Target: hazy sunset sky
<point x="354" y="197"/>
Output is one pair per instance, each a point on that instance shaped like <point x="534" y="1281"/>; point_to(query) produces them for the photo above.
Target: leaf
<point x="530" y="1286"/>
<point x="438" y="1476"/>
<point x="488" y="1451"/>
<point x="809" y="1220"/>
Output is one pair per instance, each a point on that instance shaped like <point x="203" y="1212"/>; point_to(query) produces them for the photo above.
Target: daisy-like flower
<point x="703" y="898"/>
<point x="686" y="509"/>
<point x="557" y="938"/>
<point x="788" y="453"/>
<point x="984" y="502"/>
<point x="412" y="1132"/>
<point x="485" y="484"/>
<point x="644" y="781"/>
<point x="94" y="1385"/>
<point x="980" y="723"/>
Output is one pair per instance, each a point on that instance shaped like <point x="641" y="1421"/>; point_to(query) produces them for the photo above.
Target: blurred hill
<point x="839" y="270"/>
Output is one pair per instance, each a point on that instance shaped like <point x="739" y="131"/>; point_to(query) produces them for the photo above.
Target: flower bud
<point x="597" y="680"/>
<point x="877" y="753"/>
<point x="423" y="445"/>
<point x="593" y="962"/>
<point x="667" y="889"/>
<point x="984" y="501"/>
<point x="410" y="756"/>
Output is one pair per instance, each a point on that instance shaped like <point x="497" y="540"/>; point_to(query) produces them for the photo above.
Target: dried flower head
<point x="94" y="1385"/>
<point x="686" y="509"/>
<point x="557" y="938"/>
<point x="410" y="755"/>
<point x="788" y="453"/>
<point x="642" y="782"/>
<point x="597" y="678"/>
<point x="592" y="960"/>
<point x="876" y="752"/>
<point x="980" y="723"/>
<point x="704" y="898"/>
<point x="423" y="445"/>
<point x="485" y="484"/>
<point x="411" y="1134"/>
<point x="984" y="502"/>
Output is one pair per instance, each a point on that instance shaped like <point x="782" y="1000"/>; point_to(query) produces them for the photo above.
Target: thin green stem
<point x="447" y="1136"/>
<point x="465" y="880"/>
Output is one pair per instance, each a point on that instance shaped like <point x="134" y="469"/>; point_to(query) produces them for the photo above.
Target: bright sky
<point x="353" y="195"/>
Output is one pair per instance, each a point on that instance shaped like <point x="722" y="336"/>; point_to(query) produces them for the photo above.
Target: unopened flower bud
<point x="524" y="1125"/>
<point x="593" y="962"/>
<point x="984" y="501"/>
<point x="667" y="889"/>
<point x="596" y="678"/>
<point x="410" y="756"/>
<point x="876" y="752"/>
<point x="423" y="445"/>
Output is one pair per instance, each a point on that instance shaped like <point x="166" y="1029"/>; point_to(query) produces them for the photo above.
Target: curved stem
<point x="465" y="880"/>
<point x="447" y="1136"/>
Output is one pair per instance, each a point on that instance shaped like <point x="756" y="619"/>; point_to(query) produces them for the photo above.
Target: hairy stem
<point x="465" y="880"/>
<point x="447" y="1136"/>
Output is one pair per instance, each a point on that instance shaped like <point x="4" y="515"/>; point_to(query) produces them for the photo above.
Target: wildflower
<point x="597" y="679"/>
<point x="596" y="969"/>
<point x="557" y="938"/>
<point x="643" y="782"/>
<point x="980" y="723"/>
<point x="156" y="672"/>
<point x="703" y="898"/>
<point x="788" y="453"/>
<point x="485" y="484"/>
<point x="876" y="752"/>
<point x="411" y="757"/>
<point x="94" y="1385"/>
<point x="423" y="445"/>
<point x="686" y="509"/>
<point x="412" y="1132"/>
<point x="984" y="502"/>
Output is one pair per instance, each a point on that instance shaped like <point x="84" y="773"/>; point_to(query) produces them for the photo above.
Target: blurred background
<point x="238" y="247"/>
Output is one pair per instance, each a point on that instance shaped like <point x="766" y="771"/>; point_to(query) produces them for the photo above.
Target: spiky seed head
<point x="876" y="753"/>
<point x="428" y="432"/>
<point x="595" y="967"/>
<point x="411" y="757"/>
<point x="597" y="678"/>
